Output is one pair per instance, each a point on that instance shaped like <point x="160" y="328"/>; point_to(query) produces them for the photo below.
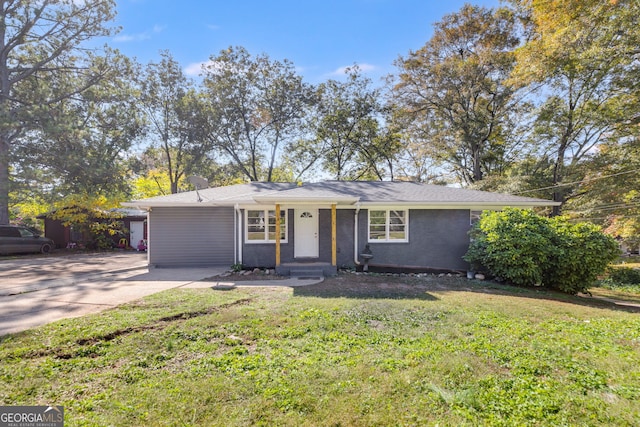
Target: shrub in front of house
<point x="527" y="249"/>
<point x="623" y="276"/>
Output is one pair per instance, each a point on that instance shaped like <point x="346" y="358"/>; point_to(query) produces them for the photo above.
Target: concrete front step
<point x="307" y="269"/>
<point x="306" y="272"/>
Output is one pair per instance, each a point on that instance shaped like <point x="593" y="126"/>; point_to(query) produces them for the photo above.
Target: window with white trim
<point x="260" y="226"/>
<point x="388" y="225"/>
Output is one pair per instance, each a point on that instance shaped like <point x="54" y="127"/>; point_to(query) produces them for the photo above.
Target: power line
<point x="577" y="182"/>
<point x="607" y="208"/>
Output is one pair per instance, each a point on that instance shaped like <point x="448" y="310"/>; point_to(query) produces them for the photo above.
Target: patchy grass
<point x="628" y="293"/>
<point x="351" y="351"/>
<point x="628" y="261"/>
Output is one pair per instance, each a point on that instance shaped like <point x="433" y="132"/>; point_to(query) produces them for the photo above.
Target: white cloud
<point x="124" y="38"/>
<point x="214" y="27"/>
<point x="194" y="69"/>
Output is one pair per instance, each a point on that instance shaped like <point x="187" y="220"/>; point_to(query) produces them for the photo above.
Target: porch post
<point x="334" y="260"/>
<point x="277" y="235"/>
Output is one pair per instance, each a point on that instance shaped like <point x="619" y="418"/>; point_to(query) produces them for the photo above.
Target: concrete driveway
<point x="38" y="290"/>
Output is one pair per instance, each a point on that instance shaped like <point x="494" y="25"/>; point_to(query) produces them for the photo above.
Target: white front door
<point x="136" y="233"/>
<point x="306" y="233"/>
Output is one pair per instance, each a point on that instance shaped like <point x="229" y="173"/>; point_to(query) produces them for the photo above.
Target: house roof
<point x="342" y="193"/>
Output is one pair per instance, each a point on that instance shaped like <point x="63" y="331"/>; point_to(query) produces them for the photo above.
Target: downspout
<point x="148" y="239"/>
<point x="355" y="235"/>
<point x="237" y="242"/>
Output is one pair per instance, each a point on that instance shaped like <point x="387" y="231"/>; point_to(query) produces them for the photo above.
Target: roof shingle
<point x="349" y="192"/>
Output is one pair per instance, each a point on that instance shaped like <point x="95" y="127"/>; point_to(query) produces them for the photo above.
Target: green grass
<point x="382" y="351"/>
<point x="631" y="262"/>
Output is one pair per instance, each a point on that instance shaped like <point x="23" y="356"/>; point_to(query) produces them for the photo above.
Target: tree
<point x="94" y="215"/>
<point x="610" y="193"/>
<point x="581" y="56"/>
<point x="79" y="144"/>
<point x="174" y="113"/>
<point x="255" y="108"/>
<point x="457" y="86"/>
<point x="41" y="41"/>
<point x="153" y="183"/>
<point x="417" y="159"/>
<point x="347" y="131"/>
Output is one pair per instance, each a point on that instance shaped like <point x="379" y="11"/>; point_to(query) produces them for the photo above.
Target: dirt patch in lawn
<point x="349" y="284"/>
<point x="352" y="285"/>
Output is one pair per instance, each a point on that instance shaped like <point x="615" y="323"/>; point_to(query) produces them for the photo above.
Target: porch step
<point x="306" y="272"/>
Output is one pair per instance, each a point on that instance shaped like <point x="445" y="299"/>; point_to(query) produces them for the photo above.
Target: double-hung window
<point x="261" y="226"/>
<point x="390" y="225"/>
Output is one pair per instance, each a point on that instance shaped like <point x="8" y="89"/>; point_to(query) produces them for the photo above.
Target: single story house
<point x="297" y="227"/>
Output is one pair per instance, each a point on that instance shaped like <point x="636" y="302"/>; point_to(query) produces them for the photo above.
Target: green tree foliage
<point x="348" y="133"/>
<point x="80" y="143"/>
<point x="527" y="249"/>
<point x="610" y="194"/>
<point x="455" y="86"/>
<point x="581" y="57"/>
<point x="42" y="45"/>
<point x="93" y="215"/>
<point x="255" y="108"/>
<point x="174" y="113"/>
<point x="417" y="159"/>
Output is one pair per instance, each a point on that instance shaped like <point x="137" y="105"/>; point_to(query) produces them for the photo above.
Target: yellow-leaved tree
<point x="94" y="216"/>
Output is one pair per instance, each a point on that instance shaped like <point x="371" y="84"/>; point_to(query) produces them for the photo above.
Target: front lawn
<point x="351" y="351"/>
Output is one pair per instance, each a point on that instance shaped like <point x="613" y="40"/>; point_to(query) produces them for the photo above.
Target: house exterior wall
<point x="345" y="221"/>
<point x="437" y="240"/>
<point x="191" y="236"/>
<point x="264" y="254"/>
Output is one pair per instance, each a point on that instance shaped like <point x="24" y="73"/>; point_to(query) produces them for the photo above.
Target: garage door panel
<point x="191" y="236"/>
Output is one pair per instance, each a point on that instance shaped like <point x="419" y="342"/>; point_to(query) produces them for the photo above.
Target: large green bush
<point x="528" y="249"/>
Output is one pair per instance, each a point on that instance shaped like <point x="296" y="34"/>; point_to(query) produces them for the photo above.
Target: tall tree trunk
<point x="4" y="181"/>
<point x="558" y="193"/>
<point x="477" y="163"/>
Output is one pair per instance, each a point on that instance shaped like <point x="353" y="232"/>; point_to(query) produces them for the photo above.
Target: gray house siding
<point x="264" y="254"/>
<point x="191" y="236"/>
<point x="437" y="239"/>
<point x="345" y="221"/>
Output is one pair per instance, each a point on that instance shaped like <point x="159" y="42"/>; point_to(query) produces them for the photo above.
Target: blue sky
<point x="319" y="37"/>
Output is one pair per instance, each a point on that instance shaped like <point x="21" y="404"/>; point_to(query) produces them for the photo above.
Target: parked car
<point x="16" y="239"/>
